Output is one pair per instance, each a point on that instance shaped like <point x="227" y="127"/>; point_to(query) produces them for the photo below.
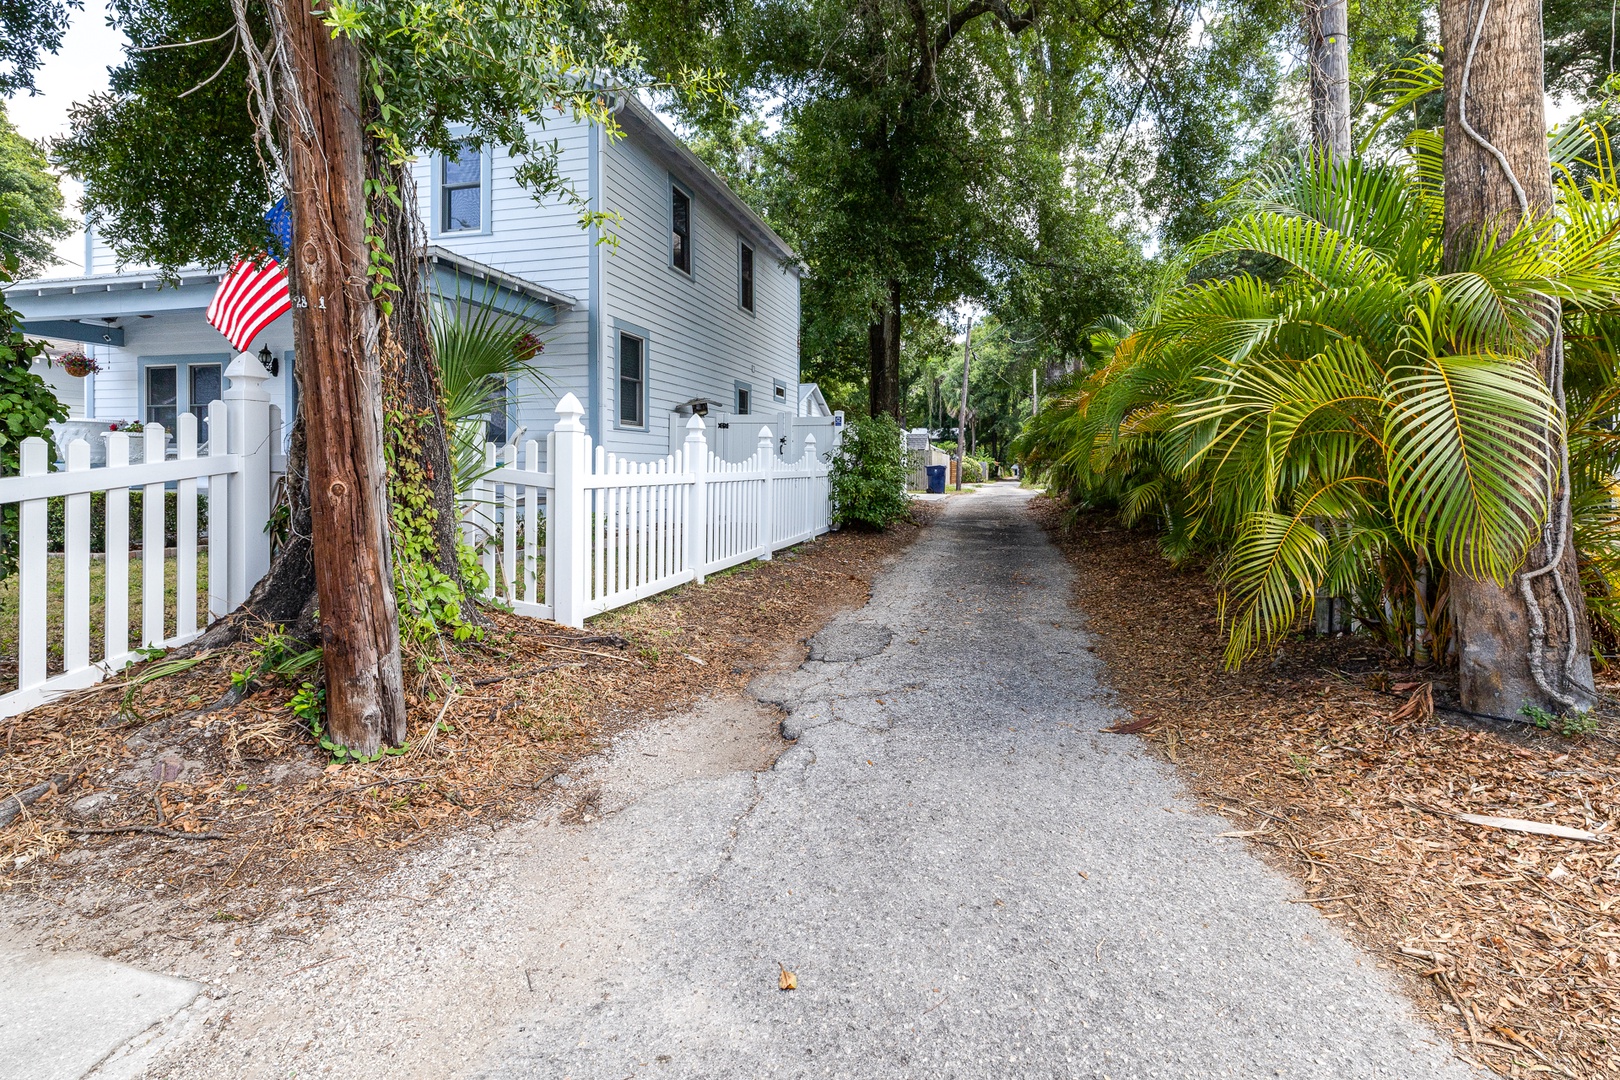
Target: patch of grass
<point x="9" y="614"/>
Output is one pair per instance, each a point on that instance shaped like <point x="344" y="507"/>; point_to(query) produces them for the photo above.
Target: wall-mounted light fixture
<point x="271" y="362"/>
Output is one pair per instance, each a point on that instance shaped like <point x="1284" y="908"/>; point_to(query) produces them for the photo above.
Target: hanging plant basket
<point x="78" y="365"/>
<point x="527" y="348"/>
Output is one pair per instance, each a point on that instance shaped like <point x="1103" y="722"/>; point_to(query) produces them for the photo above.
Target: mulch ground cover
<point x="1331" y="760"/>
<point x="229" y="811"/>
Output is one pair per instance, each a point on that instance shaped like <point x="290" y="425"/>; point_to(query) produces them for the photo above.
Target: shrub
<point x="972" y="471"/>
<point x="27" y="406"/>
<point x="55" y="520"/>
<point x="869" y="475"/>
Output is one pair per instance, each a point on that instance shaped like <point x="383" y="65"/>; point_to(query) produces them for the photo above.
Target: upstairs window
<point x="745" y="277"/>
<point x="680" y="227"/>
<point x="632" y="381"/>
<point x="461" y="190"/>
<point x="743" y="394"/>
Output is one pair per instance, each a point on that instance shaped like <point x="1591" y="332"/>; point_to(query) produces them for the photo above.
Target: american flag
<point x="255" y="293"/>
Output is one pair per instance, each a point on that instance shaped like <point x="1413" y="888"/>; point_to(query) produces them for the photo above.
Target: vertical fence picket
<point x="76" y="565"/>
<point x="31" y="572"/>
<point x="531" y="525"/>
<point x="115" y="545"/>
<point x="599" y="528"/>
<point x="640" y="534"/>
<point x="486" y="510"/>
<point x="185" y="533"/>
<point x="152" y="561"/>
<point x="219" y="514"/>
<point x="509" y="523"/>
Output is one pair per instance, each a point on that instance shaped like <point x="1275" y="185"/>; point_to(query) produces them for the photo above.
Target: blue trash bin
<point x="936" y="479"/>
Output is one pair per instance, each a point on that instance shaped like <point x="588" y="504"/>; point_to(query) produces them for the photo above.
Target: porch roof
<point x="89" y="307"/>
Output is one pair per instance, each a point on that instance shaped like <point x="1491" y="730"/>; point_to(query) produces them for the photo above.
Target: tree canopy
<point x="30" y="203"/>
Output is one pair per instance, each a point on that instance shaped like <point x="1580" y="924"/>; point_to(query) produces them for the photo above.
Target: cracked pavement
<point x="966" y="876"/>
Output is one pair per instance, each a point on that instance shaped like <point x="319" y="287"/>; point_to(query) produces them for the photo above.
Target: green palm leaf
<point x="1471" y="441"/>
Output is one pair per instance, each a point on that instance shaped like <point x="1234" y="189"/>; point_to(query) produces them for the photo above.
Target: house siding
<point x="540" y="242"/>
<point x="701" y="342"/>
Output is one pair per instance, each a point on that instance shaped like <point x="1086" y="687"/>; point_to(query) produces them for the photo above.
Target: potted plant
<point x="78" y="364"/>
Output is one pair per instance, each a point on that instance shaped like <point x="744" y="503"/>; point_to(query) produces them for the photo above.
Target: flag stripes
<point x="251" y="297"/>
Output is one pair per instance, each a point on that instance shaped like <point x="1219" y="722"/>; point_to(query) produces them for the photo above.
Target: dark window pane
<point x="498" y="404"/>
<point x="742" y="401"/>
<point x="204" y="386"/>
<point x="465" y="168"/>
<point x="462" y="209"/>
<point x="747" y="277"/>
<point x="160" y="386"/>
<point x="681" y="232"/>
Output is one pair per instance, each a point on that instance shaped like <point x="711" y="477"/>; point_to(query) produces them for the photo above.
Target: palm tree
<point x="1326" y="408"/>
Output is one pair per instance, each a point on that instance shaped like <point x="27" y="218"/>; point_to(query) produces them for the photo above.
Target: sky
<point x="78" y="70"/>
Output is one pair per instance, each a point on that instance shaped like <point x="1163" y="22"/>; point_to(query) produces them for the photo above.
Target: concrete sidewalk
<point x="64" y="1014"/>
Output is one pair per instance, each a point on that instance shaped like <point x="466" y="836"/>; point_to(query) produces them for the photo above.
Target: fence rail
<point x="587" y="533"/>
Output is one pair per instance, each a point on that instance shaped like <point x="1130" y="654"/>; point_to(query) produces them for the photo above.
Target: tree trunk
<point x="412" y="389"/>
<point x="883" y="357"/>
<point x="336" y="331"/>
<point x="1327" y="38"/>
<point x="1504" y="661"/>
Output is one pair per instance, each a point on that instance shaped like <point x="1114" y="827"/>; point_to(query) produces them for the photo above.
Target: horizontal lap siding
<point x="542" y="243"/>
<point x="117" y="386"/>
<point x="701" y="342"/>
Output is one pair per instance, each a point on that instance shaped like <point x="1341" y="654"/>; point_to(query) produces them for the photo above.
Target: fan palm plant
<point x="1331" y="410"/>
<point x="482" y="348"/>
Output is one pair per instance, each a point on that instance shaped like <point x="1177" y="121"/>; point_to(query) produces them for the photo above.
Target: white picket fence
<point x="236" y="469"/>
<point x="617" y="531"/>
<point x="589" y="533"/>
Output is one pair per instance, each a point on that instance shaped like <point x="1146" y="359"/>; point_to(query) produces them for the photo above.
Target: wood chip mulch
<point x="231" y="812"/>
<point x="1332" y="762"/>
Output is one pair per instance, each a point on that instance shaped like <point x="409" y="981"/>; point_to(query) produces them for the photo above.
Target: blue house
<point x="695" y="306"/>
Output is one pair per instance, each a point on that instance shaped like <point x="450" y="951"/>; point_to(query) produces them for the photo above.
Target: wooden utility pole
<point x="336" y="329"/>
<point x="1327" y="40"/>
<point x="1526" y="642"/>
<point x="961" y="417"/>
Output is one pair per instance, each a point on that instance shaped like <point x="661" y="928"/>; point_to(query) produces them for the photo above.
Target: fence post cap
<point x="694" y="424"/>
<point x="569" y="410"/>
<point x="765" y="434"/>
<point x="246" y="366"/>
